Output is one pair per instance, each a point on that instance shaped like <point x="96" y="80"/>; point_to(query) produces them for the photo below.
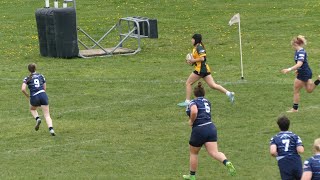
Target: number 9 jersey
<point x="204" y="111"/>
<point x="35" y="83"/>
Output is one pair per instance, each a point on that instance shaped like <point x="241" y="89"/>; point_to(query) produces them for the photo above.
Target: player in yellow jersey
<point x="201" y="70"/>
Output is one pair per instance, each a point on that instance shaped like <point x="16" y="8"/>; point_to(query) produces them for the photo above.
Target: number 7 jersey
<point x="287" y="143"/>
<point x="35" y="83"/>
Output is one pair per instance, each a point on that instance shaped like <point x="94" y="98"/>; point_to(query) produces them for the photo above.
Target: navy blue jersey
<point x="204" y="111"/>
<point x="287" y="143"/>
<point x="35" y="83"/>
<point x="301" y="55"/>
<point x="313" y="165"/>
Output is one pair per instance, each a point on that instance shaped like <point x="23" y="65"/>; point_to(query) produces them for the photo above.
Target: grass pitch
<point x="116" y="118"/>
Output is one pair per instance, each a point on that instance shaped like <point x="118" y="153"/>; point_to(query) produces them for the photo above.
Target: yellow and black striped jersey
<point x="200" y="66"/>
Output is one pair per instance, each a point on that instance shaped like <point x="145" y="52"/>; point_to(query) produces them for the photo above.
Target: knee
<point x="189" y="83"/>
<point x="309" y="91"/>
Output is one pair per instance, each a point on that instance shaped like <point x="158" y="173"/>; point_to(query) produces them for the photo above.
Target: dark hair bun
<point x="199" y="84"/>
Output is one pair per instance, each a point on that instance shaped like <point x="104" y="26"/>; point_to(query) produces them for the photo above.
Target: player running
<point x="201" y="70"/>
<point x="311" y="168"/>
<point x="38" y="97"/>
<point x="203" y="132"/>
<point x="285" y="147"/>
<point x="303" y="71"/>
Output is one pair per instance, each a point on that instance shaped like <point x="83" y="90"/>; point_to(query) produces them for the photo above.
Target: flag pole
<point x="241" y="64"/>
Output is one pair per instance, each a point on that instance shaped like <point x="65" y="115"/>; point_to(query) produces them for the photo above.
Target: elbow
<point x="273" y="154"/>
<point x="300" y="149"/>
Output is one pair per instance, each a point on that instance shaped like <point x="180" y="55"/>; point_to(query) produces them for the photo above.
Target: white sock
<point x="228" y="93"/>
<point x="187" y="101"/>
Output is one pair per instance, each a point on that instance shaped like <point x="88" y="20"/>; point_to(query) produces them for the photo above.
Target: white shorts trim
<point x="41" y="91"/>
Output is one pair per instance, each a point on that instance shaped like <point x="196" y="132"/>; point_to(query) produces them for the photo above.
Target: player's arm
<point x="300" y="149"/>
<point x="307" y="175"/>
<point x="273" y="150"/>
<point x="24" y="89"/>
<point x="193" y="114"/>
<point x="293" y="68"/>
<point x="201" y="58"/>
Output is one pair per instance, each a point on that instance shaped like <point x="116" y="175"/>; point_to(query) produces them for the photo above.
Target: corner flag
<point x="233" y="20"/>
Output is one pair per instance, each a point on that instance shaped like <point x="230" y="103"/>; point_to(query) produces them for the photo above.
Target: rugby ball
<point x="189" y="56"/>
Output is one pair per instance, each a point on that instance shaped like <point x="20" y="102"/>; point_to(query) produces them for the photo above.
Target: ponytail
<point x="199" y="90"/>
<point x="32" y="68"/>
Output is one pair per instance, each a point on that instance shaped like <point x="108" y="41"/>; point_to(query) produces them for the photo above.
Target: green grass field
<point x="116" y="118"/>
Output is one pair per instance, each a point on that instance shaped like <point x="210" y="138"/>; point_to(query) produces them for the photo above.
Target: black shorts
<point x="290" y="167"/>
<point x="202" y="134"/>
<point x="39" y="99"/>
<point x="202" y="74"/>
<point x="305" y="76"/>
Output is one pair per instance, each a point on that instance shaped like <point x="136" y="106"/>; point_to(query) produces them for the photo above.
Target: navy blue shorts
<point x="290" y="167"/>
<point x="39" y="99"/>
<point x="305" y="76"/>
<point x="202" y="134"/>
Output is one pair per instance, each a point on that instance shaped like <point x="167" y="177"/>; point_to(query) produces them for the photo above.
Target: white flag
<point x="234" y="19"/>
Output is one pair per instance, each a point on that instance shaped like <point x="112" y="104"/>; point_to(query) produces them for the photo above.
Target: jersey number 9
<point x="36" y="83"/>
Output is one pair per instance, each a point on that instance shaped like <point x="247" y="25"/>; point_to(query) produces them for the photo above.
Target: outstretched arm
<point x="293" y="68"/>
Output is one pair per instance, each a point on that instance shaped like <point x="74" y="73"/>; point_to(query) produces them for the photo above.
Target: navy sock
<point x="192" y="173"/>
<point x="295" y="106"/>
<point x="317" y="82"/>
<point x="50" y="128"/>
<point x="37" y="118"/>
<point x="225" y="161"/>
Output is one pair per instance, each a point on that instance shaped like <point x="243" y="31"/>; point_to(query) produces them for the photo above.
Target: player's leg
<point x="194" y="151"/>
<point x="190" y="81"/>
<point x="34" y="112"/>
<point x="298" y="84"/>
<point x="298" y="168"/>
<point x="209" y="80"/>
<point x="310" y="86"/>
<point x="46" y="114"/>
<point x="212" y="149"/>
<point x="286" y="168"/>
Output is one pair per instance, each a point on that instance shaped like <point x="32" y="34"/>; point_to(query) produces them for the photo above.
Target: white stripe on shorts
<point x="41" y="91"/>
<point x="205" y="124"/>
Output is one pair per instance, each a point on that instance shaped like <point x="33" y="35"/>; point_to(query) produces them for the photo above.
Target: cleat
<point x="292" y="110"/>
<point x="37" y="124"/>
<point x="231" y="97"/>
<point x="183" y="104"/>
<point x="190" y="177"/>
<point x="52" y="132"/>
<point x="231" y="169"/>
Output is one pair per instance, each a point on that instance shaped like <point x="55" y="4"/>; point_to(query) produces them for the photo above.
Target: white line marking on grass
<point x="312" y="107"/>
<point x="158" y="81"/>
<point x="36" y="149"/>
<point x="61" y="112"/>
